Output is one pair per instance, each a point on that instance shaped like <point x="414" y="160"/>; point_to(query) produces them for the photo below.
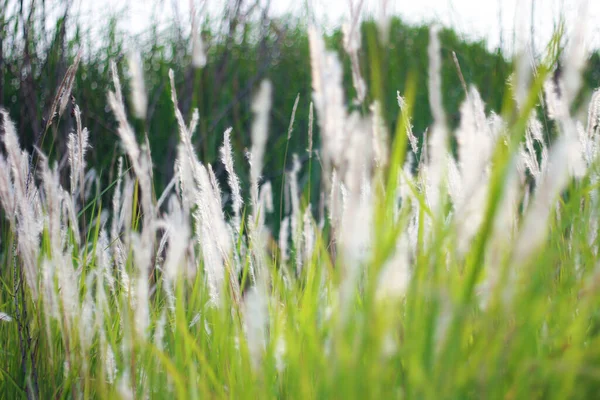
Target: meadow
<point x="374" y="250"/>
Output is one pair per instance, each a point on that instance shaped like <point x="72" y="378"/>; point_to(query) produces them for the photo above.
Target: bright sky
<point x="492" y="20"/>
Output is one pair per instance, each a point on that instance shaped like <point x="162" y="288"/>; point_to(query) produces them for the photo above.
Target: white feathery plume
<point x="211" y="230"/>
<point x="455" y="184"/>
<point x="295" y="221"/>
<point x="556" y="107"/>
<point x="52" y="200"/>
<point x="528" y="153"/>
<point x="194" y="122"/>
<point x="67" y="87"/>
<point x="139" y="99"/>
<point x="28" y="228"/>
<point x="475" y="149"/>
<point x="521" y="79"/>
<point x="435" y="77"/>
<point x="77" y="145"/>
<point x="280" y="351"/>
<point x="86" y="321"/>
<point x="328" y="97"/>
<point x="179" y="234"/>
<point x="335" y="201"/>
<point x="103" y="260"/>
<point x="233" y="180"/>
<point x="384" y="21"/>
<point x="159" y="331"/>
<point x="5" y="317"/>
<point x="575" y="55"/>
<point x="310" y="130"/>
<point x="7" y="195"/>
<point x="67" y="279"/>
<point x="357" y="210"/>
<point x="308" y="235"/>
<point x="198" y="52"/>
<point x="284" y="231"/>
<point x="110" y="365"/>
<point x="589" y="137"/>
<point x="142" y="166"/>
<point x="351" y="32"/>
<point x="116" y="203"/>
<point x="266" y="198"/>
<point x="261" y="107"/>
<point x="212" y="235"/>
<point x="438" y="140"/>
<point x="69" y="217"/>
<point x="293" y="117"/>
<point x="214" y="183"/>
<point x="124" y="387"/>
<point x="395" y="275"/>
<point x="255" y="315"/>
<point x="412" y="139"/>
<point x="142" y="257"/>
<point x="593" y="122"/>
<point x="380" y="135"/>
<point x="560" y="169"/>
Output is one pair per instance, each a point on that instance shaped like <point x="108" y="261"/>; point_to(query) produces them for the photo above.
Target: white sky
<point x="474" y="19"/>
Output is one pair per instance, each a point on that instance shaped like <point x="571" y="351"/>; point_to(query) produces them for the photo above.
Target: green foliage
<point x="222" y="91"/>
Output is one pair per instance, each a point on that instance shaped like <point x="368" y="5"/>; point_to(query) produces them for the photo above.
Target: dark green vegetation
<point x="222" y="91"/>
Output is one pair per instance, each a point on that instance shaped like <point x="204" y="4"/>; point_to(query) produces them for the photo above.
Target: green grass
<point x="328" y="329"/>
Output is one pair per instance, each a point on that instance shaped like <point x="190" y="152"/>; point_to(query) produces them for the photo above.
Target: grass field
<point x="460" y="264"/>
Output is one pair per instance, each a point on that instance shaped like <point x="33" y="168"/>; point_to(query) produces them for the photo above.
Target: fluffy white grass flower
<point x="328" y="97"/>
<point x="556" y="106"/>
<point x="77" y="145"/>
<point x="310" y="130"/>
<point x="159" y="331"/>
<point x="142" y="166"/>
<point x="124" y="387"/>
<point x="562" y="166"/>
<point x="198" y="52"/>
<point x="66" y="88"/>
<point x="412" y="139"/>
<point x="293" y="117"/>
<point x="7" y="195"/>
<point x="232" y="179"/>
<point x="395" y="275"/>
<point x="68" y="289"/>
<point x="29" y="226"/>
<point x="116" y="205"/>
<point x="261" y="107"/>
<point x="308" y="235"/>
<point x="379" y="137"/>
<point x="351" y="31"/>
<point x="528" y="154"/>
<point x="5" y="317"/>
<point x="139" y="99"/>
<point x="284" y="231"/>
<point x="575" y="55"/>
<point x="435" y="77"/>
<point x="212" y="232"/>
<point x="295" y="221"/>
<point x="178" y="232"/>
<point x="110" y="364"/>
<point x="475" y="148"/>
<point x="255" y="315"/>
<point x="438" y="140"/>
<point x="86" y="321"/>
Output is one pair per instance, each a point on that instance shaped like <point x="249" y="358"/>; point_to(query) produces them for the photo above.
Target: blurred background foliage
<point x="248" y="46"/>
